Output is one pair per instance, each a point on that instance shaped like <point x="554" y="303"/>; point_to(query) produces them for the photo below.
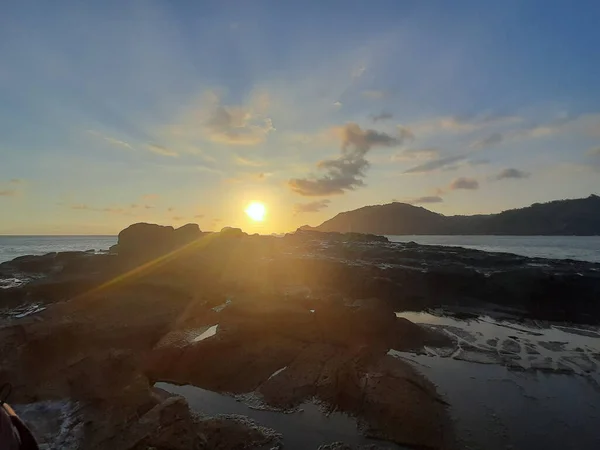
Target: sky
<point x="118" y="112"/>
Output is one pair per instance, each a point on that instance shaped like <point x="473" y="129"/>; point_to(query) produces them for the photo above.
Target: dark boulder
<point x="142" y="241"/>
<point x="230" y="232"/>
<point x="187" y="233"/>
<point x="304" y="234"/>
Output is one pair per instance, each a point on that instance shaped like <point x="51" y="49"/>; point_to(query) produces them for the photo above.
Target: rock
<point x="30" y="263"/>
<point x="343" y="446"/>
<point x="233" y="432"/>
<point x="387" y="396"/>
<point x="142" y="241"/>
<point x="167" y="426"/>
<point x="335" y="446"/>
<point x="360" y="322"/>
<point x="229" y="232"/>
<point x="402" y="406"/>
<point x="36" y="266"/>
<point x="306" y="233"/>
<point x="187" y="233"/>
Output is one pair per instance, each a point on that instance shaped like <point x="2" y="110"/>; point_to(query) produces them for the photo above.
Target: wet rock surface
<point x="309" y="316"/>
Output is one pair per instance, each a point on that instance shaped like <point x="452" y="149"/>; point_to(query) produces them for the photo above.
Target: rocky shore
<point x="275" y="321"/>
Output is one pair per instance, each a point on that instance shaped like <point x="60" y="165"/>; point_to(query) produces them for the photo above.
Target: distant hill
<point x="559" y="217"/>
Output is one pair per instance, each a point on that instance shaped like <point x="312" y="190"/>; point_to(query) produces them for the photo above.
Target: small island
<point x="577" y="217"/>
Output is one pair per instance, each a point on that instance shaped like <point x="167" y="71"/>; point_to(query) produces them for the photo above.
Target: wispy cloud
<point x="348" y="170"/>
<point x="594" y="152"/>
<point x="583" y="124"/>
<point x="405" y="133"/>
<point x="463" y="124"/>
<point x="374" y="94"/>
<point x="161" y="150"/>
<point x="412" y="154"/>
<point x="437" y="164"/>
<point x="16" y="181"/>
<point x="237" y="125"/>
<point x="128" y="210"/>
<point x="464" y="183"/>
<point x="119" y="143"/>
<point x="242" y="161"/>
<point x="150" y="197"/>
<point x="426" y="199"/>
<point x="382" y="116"/>
<point x="310" y="207"/>
<point x="512" y="173"/>
<point x="492" y="139"/>
<point x="358" y="71"/>
<point x="8" y="192"/>
<point x="112" y="141"/>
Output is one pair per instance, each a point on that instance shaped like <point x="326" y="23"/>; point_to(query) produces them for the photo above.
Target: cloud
<point x="198" y="216"/>
<point x="128" y="211"/>
<point x="416" y="153"/>
<point x="594" y="152"/>
<point x="464" y="183"/>
<point x="115" y="210"/>
<point x="478" y="162"/>
<point x="511" y="173"/>
<point x="373" y="94"/>
<point x="81" y="207"/>
<point x="405" y="133"/>
<point x="153" y="148"/>
<point x="112" y="141"/>
<point x="178" y="218"/>
<point x="171" y="209"/>
<point x="161" y="150"/>
<point x="492" y="139"/>
<point x="382" y="116"/>
<point x="16" y="181"/>
<point x="150" y="197"/>
<point x="241" y="161"/>
<point x="358" y="71"/>
<point x="347" y="171"/>
<point x="337" y="104"/>
<point x="315" y="206"/>
<point x="237" y="125"/>
<point x="583" y="124"/>
<point x="149" y="206"/>
<point x="8" y="192"/>
<point x="426" y="199"/>
<point x="248" y="177"/>
<point x="437" y="164"/>
<point x="463" y="124"/>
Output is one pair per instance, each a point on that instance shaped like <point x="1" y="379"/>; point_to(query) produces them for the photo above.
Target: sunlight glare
<point x="256" y="211"/>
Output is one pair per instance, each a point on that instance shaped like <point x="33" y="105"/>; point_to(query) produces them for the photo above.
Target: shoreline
<point x="308" y="315"/>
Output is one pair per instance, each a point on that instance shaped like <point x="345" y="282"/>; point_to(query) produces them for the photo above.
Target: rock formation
<point x="306" y="316"/>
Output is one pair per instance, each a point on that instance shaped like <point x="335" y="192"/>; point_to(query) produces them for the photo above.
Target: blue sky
<point x="174" y="112"/>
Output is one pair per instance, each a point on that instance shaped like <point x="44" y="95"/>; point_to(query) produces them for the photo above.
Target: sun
<point x="256" y="211"/>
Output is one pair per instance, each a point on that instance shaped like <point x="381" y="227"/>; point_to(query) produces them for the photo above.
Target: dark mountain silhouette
<point x="559" y="217"/>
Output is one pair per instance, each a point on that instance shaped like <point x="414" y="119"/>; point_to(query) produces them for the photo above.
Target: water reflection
<point x="517" y="345"/>
<point x="538" y="386"/>
<point x="307" y="428"/>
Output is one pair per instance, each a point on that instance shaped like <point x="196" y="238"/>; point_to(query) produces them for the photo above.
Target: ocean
<point x="584" y="248"/>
